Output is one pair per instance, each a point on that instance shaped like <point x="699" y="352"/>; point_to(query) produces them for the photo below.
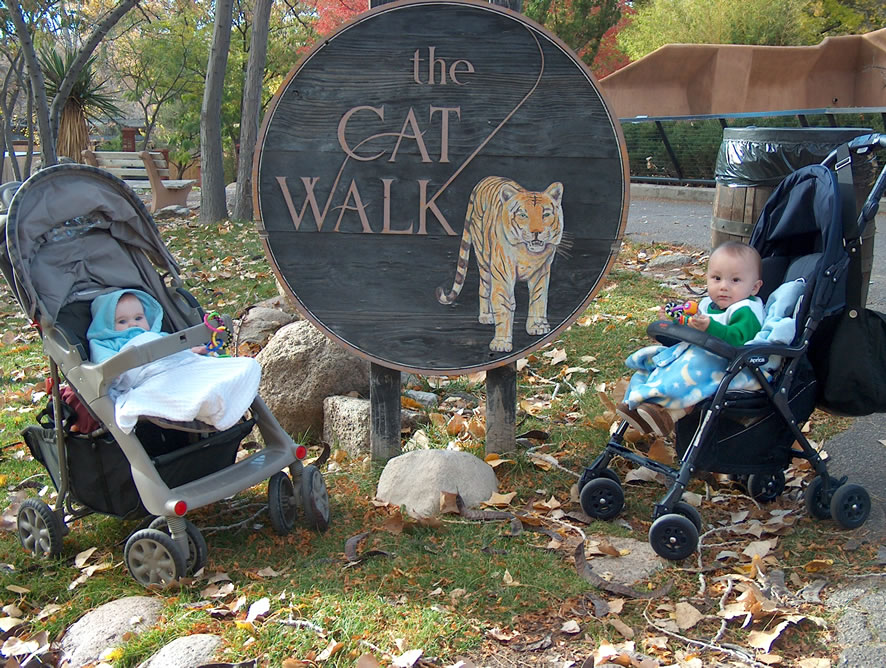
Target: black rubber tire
<point x="689" y="511"/>
<point x="589" y="475"/>
<point x="153" y="558"/>
<point x="314" y="498"/>
<point x="817" y="504"/>
<point x="282" y="504"/>
<point x="850" y="506"/>
<point x="602" y="498"/>
<point x="198" y="552"/>
<point x="765" y="487"/>
<point x="673" y="537"/>
<point x="40" y="530"/>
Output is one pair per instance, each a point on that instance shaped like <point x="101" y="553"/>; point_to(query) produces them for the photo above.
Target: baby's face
<point x="129" y="313"/>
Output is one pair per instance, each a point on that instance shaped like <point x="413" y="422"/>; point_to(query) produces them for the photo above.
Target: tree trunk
<point x="35" y="74"/>
<point x="252" y="86"/>
<point x="213" y="207"/>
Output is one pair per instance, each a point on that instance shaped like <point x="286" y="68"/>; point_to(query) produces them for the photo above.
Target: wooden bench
<point x="142" y="170"/>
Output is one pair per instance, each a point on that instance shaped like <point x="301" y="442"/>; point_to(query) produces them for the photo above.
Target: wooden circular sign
<point x="441" y="186"/>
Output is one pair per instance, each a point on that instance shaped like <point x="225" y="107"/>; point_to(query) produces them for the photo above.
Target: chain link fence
<point x="683" y="149"/>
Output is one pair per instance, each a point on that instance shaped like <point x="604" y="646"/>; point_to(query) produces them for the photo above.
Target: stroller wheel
<point x="197" y="549"/>
<point x="850" y="506"/>
<point x="153" y="558"/>
<point x="602" y="498"/>
<point x="39" y="529"/>
<point x="314" y="498"/>
<point x="765" y="487"/>
<point x="673" y="537"/>
<point x="818" y="504"/>
<point x="690" y="512"/>
<point x="282" y="505"/>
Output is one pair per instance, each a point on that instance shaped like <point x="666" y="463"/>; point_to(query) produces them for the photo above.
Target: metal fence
<point x="683" y="149"/>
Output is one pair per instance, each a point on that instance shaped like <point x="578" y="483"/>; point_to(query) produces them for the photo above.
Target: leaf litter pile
<point x="525" y="579"/>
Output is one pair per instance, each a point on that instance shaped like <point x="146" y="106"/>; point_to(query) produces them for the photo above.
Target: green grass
<point x="439" y="588"/>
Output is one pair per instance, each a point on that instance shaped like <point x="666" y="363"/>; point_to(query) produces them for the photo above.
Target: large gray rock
<point x="346" y="423"/>
<point x="104" y="628"/>
<point x="185" y="652"/>
<point x="260" y="323"/>
<point x="300" y="368"/>
<point x="416" y="479"/>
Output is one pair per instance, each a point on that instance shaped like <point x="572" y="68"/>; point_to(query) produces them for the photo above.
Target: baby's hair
<point x="743" y="251"/>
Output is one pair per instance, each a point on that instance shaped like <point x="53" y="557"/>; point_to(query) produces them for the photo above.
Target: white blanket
<point x="184" y="387"/>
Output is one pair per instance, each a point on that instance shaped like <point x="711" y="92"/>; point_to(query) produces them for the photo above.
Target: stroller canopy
<point x="74" y="230"/>
<point x="802" y="224"/>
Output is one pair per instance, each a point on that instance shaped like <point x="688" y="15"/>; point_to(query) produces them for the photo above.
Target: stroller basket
<point x="100" y="477"/>
<point x="751" y="439"/>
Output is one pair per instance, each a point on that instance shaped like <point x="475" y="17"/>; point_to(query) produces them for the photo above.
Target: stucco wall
<point x="688" y="79"/>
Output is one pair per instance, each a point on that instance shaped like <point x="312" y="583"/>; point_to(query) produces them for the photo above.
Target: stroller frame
<point x="171" y="536"/>
<point x="676" y="525"/>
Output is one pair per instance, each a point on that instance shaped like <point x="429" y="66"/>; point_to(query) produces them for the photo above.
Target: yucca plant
<point x="88" y="98"/>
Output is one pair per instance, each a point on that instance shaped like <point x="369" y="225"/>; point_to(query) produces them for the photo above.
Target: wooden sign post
<point x="441" y="188"/>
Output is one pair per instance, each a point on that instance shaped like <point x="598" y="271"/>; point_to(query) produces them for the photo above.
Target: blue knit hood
<point x="104" y="340"/>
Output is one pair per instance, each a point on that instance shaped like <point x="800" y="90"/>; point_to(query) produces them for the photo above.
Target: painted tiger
<point x="515" y="234"/>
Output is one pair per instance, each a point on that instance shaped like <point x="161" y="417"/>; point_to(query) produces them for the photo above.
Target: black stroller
<point x="71" y="233"/>
<point x="751" y="434"/>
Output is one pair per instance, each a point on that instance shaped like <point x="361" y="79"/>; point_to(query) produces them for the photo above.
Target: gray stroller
<point x="72" y="232"/>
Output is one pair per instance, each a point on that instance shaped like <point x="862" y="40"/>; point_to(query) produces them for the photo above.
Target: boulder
<point x="260" y="323"/>
<point x="346" y="423"/>
<point x="300" y="368"/>
<point x="415" y="480"/>
<point x="185" y="652"/>
<point x="105" y="627"/>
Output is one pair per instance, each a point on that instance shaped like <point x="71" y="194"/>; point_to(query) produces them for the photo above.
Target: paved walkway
<point x="683" y="215"/>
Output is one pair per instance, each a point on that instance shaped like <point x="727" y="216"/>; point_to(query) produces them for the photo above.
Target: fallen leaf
<point x="621" y="627"/>
<point x="82" y="557"/>
<point x="500" y="500"/>
<point x="571" y="627"/>
<point x="502" y="636"/>
<point x="365" y="661"/>
<point x="448" y="503"/>
<point x="763" y="639"/>
<point x="759" y="548"/>
<point x="258" y="609"/>
<point x="455" y="425"/>
<point x="407" y="659"/>
<point x="687" y="615"/>
<point x="817" y="565"/>
<point x="331" y="649"/>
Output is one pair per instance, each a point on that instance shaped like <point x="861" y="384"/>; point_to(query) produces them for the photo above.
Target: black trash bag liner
<point x="755" y="156"/>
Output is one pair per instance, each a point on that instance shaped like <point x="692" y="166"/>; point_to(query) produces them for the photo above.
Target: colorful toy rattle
<point x="214" y="344"/>
<point x="681" y="311"/>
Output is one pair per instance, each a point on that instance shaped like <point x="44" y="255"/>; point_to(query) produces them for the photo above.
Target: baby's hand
<point x="200" y="350"/>
<point x="700" y="321"/>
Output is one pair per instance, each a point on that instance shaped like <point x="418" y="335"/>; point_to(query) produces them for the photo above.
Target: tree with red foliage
<point x="332" y="13"/>
<point x="579" y="23"/>
<point x="609" y="56"/>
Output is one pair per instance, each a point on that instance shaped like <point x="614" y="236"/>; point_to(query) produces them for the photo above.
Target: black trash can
<point x="752" y="162"/>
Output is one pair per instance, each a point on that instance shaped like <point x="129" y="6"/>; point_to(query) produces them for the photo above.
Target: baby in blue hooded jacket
<point x="120" y="316"/>
<point x="180" y="387"/>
